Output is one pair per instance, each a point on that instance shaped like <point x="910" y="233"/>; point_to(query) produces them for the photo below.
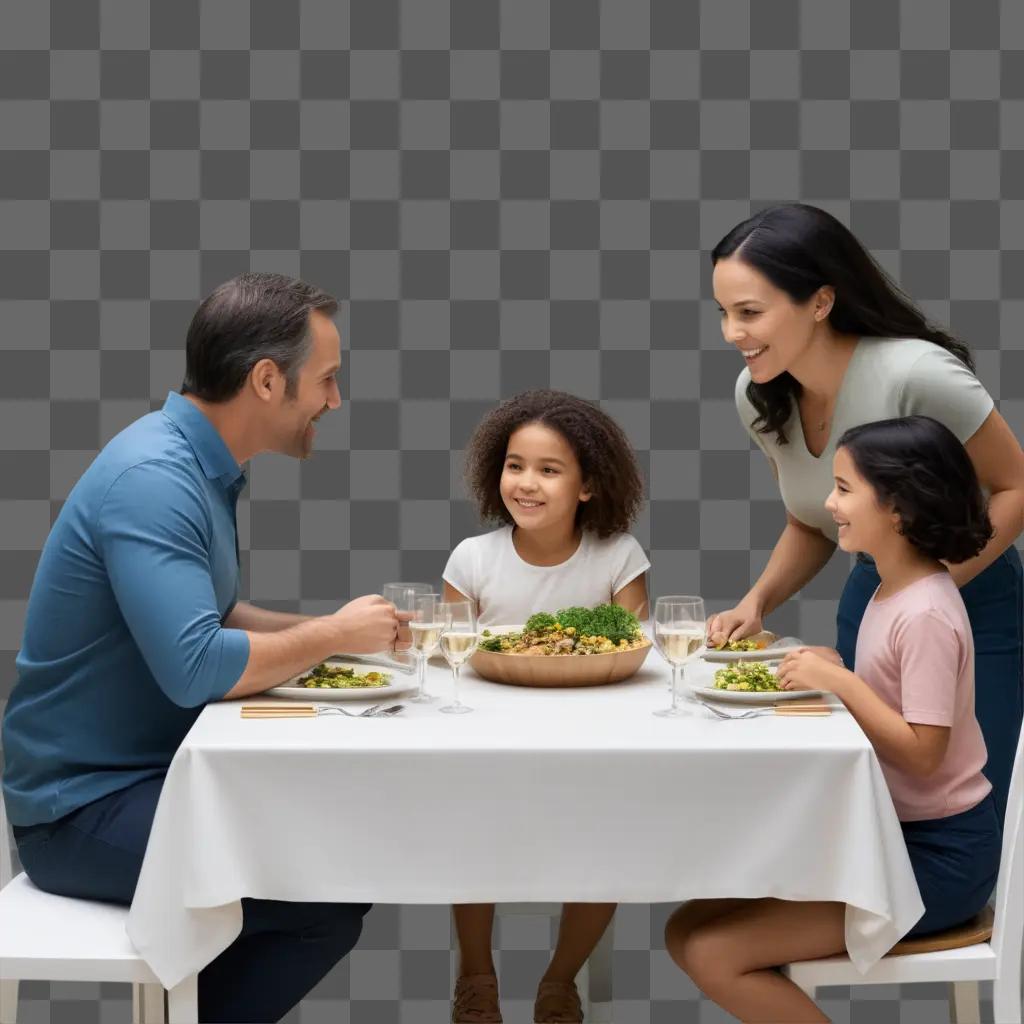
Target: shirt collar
<point x="216" y="460"/>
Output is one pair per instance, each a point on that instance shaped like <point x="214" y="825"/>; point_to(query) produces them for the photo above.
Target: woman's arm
<point x="917" y="749"/>
<point x="799" y="555"/>
<point x="633" y="597"/>
<point x="999" y="463"/>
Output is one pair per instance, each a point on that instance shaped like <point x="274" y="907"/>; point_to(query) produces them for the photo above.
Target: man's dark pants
<point x="284" y="949"/>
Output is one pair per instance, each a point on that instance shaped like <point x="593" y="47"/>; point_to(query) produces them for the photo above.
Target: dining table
<point x="539" y="795"/>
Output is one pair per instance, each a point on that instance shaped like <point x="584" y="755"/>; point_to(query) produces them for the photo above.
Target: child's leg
<point x="731" y="954"/>
<point x="579" y="931"/>
<point x="474" y="926"/>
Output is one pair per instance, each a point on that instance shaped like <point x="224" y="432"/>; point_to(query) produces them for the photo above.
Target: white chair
<point x="994" y="957"/>
<point x="53" y="938"/>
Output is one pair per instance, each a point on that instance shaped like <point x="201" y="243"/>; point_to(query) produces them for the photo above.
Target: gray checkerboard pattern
<point x="507" y="194"/>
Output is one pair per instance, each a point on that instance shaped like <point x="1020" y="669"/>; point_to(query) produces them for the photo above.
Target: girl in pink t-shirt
<point x="905" y="493"/>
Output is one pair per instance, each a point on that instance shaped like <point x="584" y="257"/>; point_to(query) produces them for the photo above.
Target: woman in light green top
<point x="831" y="343"/>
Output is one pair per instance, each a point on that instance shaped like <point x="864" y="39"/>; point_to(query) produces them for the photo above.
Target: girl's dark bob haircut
<point x="917" y="466"/>
<point x="800" y="248"/>
<point x="609" y="467"/>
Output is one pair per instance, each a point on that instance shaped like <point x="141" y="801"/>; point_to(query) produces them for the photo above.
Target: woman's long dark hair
<point x="918" y="466"/>
<point x="800" y="248"/>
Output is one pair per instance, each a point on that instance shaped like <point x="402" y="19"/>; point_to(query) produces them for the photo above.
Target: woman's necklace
<point x="820" y="424"/>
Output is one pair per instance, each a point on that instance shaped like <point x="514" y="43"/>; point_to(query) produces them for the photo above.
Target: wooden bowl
<point x="559" y="669"/>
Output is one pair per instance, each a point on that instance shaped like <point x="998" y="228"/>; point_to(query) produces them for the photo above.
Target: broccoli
<point x="574" y="618"/>
<point x="613" y="622"/>
<point x="491" y="643"/>
<point x="542" y="620"/>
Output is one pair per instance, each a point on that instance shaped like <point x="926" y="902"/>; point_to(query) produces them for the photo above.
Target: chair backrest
<point x="6" y="864"/>
<point x="1008" y="927"/>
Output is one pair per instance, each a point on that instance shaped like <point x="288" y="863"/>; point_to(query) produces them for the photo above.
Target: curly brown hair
<point x="609" y="467"/>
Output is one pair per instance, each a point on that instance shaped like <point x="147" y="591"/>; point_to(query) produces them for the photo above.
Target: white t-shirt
<point x="507" y="590"/>
<point x="885" y="378"/>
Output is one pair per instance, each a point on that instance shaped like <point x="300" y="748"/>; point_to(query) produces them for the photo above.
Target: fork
<point x="372" y="712"/>
<point x="752" y="713"/>
<point x="326" y="709"/>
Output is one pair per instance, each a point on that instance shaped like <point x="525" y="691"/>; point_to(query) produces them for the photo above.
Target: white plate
<point x="767" y="654"/>
<point x="318" y="694"/>
<point x="754" y="696"/>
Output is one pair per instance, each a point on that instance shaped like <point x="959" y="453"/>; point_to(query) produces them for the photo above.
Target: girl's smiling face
<point x="864" y="524"/>
<point x="541" y="482"/>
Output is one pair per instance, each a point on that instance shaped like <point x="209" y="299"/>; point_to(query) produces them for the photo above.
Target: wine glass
<point x="425" y="627"/>
<point x="403" y="597"/>
<point x="679" y="626"/>
<point x="459" y="639"/>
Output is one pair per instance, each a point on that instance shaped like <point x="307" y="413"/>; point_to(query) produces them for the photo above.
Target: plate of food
<point x="572" y="647"/>
<point x="335" y="679"/>
<point x="750" y="682"/>
<point x="763" y="646"/>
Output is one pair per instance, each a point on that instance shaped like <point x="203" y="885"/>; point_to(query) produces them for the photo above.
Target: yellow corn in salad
<point x="741" y="645"/>
<point x="747" y="676"/>
<point x="332" y="677"/>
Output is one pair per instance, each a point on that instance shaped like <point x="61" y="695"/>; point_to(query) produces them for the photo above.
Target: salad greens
<point x="598" y="630"/>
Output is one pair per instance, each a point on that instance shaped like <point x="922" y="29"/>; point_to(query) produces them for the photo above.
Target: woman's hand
<point x="806" y="669"/>
<point x="734" y="624"/>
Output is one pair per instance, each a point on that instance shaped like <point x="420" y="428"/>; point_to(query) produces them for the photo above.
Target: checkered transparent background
<point x="506" y="194"/>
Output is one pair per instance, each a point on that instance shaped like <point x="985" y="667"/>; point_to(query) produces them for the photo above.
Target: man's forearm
<point x="261" y="620"/>
<point x="799" y="555"/>
<point x="278" y="655"/>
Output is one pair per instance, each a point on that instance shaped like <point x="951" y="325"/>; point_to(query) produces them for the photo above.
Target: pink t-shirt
<point x="916" y="651"/>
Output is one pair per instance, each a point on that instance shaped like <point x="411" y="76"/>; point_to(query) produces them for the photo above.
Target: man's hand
<point x="366" y="625"/>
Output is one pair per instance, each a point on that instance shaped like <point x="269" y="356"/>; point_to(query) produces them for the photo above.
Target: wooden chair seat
<point x="977" y="929"/>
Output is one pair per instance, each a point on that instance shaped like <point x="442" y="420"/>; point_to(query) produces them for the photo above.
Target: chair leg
<point x="1007" y="996"/>
<point x="151" y="999"/>
<point x="599" y="987"/>
<point x="8" y="1002"/>
<point x="183" y="1002"/>
<point x="964" y="1003"/>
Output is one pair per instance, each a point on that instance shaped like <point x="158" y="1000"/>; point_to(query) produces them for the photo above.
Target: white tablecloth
<point x="540" y="795"/>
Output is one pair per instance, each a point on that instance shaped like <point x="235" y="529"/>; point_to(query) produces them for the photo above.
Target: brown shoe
<point x="476" y="1000"/>
<point x="557" y="1003"/>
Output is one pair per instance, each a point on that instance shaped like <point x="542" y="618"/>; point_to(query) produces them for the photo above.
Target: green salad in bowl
<point x="604" y="629"/>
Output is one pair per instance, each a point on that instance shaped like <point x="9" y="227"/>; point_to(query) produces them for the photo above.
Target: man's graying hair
<point x="249" y="318"/>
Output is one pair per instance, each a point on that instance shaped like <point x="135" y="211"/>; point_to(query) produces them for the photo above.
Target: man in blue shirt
<point x="133" y="625"/>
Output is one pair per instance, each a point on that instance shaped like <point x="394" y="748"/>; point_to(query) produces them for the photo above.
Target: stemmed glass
<point x="679" y="628"/>
<point x="459" y="639"/>
<point x="403" y="597"/>
<point x="425" y="627"/>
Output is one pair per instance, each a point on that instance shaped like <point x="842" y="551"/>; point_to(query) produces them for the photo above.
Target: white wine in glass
<point x="403" y="597"/>
<point x="426" y="636"/>
<point x="459" y="639"/>
<point x="425" y="628"/>
<point x="678" y="644"/>
<point x="679" y="629"/>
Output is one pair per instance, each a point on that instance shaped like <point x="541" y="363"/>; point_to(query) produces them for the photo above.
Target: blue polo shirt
<point x="124" y="639"/>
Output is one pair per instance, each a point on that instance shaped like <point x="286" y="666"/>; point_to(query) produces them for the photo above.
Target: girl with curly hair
<point x="905" y="492"/>
<point x="561" y="477"/>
